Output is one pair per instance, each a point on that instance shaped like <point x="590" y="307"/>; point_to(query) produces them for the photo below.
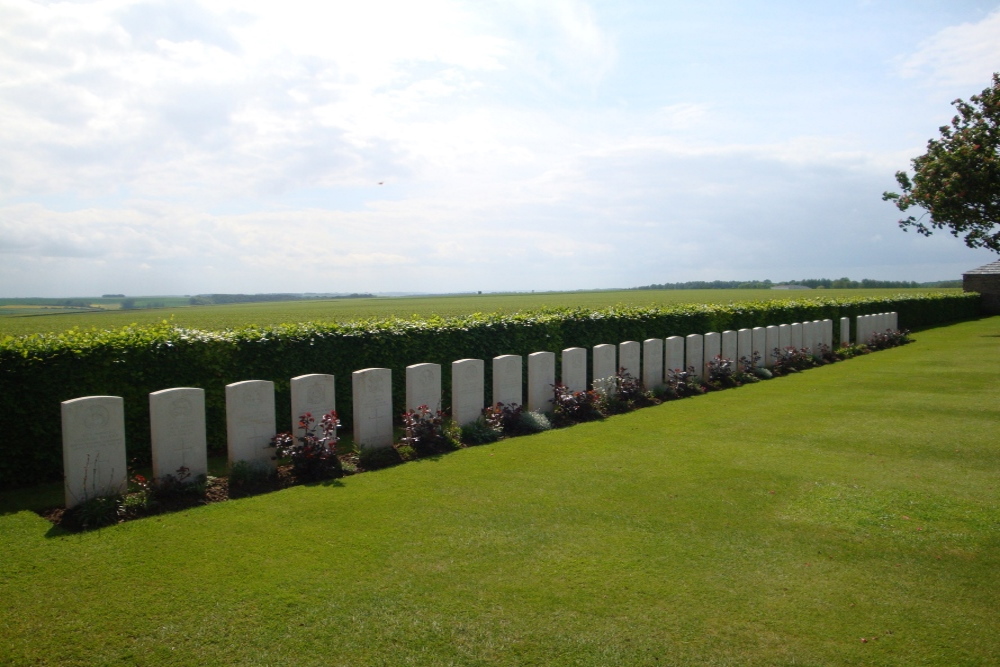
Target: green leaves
<point x="957" y="181"/>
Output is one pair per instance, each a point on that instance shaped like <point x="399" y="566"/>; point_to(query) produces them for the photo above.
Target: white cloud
<point x="961" y="55"/>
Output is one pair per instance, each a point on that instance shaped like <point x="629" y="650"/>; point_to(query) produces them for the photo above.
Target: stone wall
<point x="986" y="281"/>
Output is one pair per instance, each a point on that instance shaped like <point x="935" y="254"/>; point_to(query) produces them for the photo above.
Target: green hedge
<point x="38" y="372"/>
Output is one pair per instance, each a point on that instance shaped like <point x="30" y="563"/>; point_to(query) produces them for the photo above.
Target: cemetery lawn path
<point x="847" y="515"/>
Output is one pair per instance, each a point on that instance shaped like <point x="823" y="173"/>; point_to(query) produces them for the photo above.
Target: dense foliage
<point x="957" y="181"/>
<point x="40" y="371"/>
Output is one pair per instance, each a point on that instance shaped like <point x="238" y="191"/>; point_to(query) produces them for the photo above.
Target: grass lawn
<point x="776" y="524"/>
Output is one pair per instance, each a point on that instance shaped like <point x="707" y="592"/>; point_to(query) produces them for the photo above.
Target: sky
<point x="173" y="147"/>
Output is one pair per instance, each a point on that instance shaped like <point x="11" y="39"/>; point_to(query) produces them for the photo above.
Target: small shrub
<point x="429" y="433"/>
<point x="314" y="453"/>
<point x="826" y="354"/>
<point x="572" y="407"/>
<point x="679" y="383"/>
<point x="888" y="338"/>
<point x="619" y="393"/>
<point x="722" y="373"/>
<point x="791" y="360"/>
<point x="98" y="512"/>
<point x="850" y="351"/>
<point x="534" y="422"/>
<point x="479" y="432"/>
<point x="504" y="418"/>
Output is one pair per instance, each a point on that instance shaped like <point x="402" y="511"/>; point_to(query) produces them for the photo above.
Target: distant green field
<point x="342" y="310"/>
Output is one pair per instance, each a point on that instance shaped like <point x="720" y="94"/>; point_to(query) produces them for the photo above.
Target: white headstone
<point x="250" y="422"/>
<point x="729" y="347"/>
<point x="713" y="348"/>
<point x="772" y="339"/>
<point x="314" y="394"/>
<point x="744" y="345"/>
<point x="372" y="390"/>
<point x="605" y="365"/>
<point x="694" y="348"/>
<point x="574" y="368"/>
<point x="541" y="377"/>
<point x="673" y="354"/>
<point x="894" y="321"/>
<point x="93" y="434"/>
<point x="797" y="335"/>
<point x="809" y="336"/>
<point x="177" y="432"/>
<point x="760" y="344"/>
<point x="423" y="387"/>
<point x="652" y="363"/>
<point x="508" y="380"/>
<point x="845" y="331"/>
<point x="468" y="392"/>
<point x="784" y="336"/>
<point x="629" y="358"/>
<point x="866" y="326"/>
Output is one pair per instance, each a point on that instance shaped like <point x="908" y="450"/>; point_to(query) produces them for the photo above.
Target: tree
<point x="957" y="181"/>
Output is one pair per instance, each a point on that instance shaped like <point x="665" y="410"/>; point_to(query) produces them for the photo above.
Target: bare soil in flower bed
<point x="217" y="490"/>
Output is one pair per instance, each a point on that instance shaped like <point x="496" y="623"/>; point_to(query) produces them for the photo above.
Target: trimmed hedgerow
<point x="39" y="371"/>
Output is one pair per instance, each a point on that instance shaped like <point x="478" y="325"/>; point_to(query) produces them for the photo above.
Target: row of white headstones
<point x="93" y="427"/>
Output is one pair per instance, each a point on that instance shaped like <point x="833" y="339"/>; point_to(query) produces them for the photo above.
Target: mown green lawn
<point x="342" y="310"/>
<point x="776" y="524"/>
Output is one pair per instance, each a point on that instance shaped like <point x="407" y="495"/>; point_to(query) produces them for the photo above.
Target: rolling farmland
<point x="20" y="321"/>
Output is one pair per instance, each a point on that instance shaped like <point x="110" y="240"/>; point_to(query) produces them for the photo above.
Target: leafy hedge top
<point x="43" y="346"/>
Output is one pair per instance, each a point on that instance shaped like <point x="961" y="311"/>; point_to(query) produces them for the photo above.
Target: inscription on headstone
<point x="93" y="432"/>
<point x="372" y="389"/>
<point x="177" y="432"/>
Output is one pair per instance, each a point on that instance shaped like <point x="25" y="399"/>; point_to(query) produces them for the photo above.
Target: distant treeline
<point x="219" y="299"/>
<point x="814" y="283"/>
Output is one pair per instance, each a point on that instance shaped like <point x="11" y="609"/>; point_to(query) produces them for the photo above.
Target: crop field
<point x="14" y="320"/>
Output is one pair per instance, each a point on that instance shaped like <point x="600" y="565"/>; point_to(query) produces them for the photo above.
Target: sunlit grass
<point x="778" y="523"/>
